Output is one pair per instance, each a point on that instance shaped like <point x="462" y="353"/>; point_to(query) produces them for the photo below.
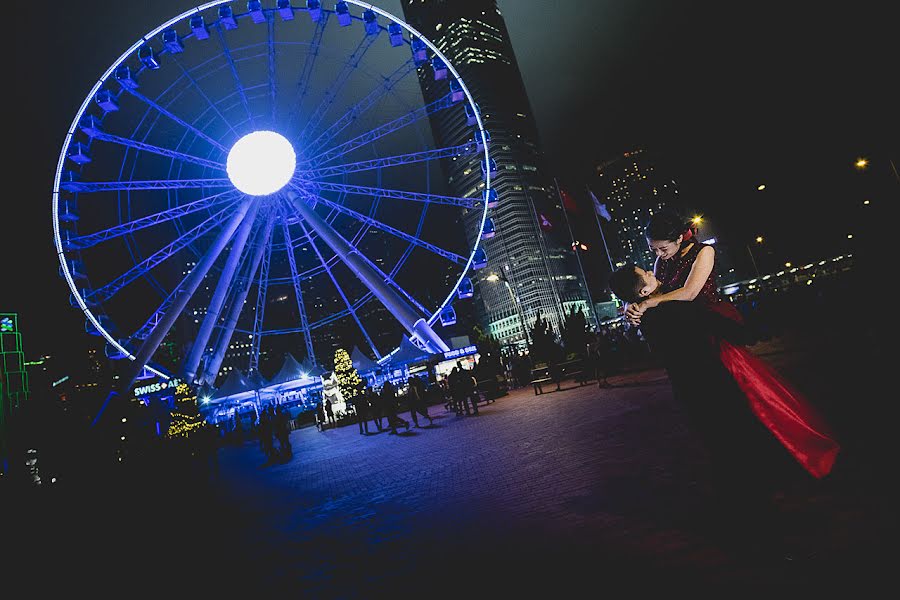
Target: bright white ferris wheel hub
<point x="261" y="163"/>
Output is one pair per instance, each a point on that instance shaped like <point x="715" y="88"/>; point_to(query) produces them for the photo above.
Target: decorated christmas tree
<point x="349" y="381"/>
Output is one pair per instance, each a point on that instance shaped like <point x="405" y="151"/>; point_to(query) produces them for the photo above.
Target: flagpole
<point x="602" y="236"/>
<point x="577" y="253"/>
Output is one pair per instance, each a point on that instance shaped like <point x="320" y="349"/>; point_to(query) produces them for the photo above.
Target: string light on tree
<point x="349" y="381"/>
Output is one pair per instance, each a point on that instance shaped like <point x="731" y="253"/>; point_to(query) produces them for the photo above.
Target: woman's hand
<point x="633" y="312"/>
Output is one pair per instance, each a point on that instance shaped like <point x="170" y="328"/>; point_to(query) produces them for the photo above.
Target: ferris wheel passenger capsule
<point x="254" y="7"/>
<point x="198" y="26"/>
<point x="395" y="32"/>
<point x="466" y="289"/>
<point x="343" y="13"/>
<point x="285" y="10"/>
<point x="371" y="21"/>
<point x="314" y="8"/>
<point x="480" y="259"/>
<point x="226" y="17"/>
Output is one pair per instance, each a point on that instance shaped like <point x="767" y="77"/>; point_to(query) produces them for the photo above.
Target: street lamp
<point x="494" y="277"/>
<point x="759" y="240"/>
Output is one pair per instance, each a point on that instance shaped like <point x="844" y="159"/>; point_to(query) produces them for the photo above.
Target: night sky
<point x="727" y="95"/>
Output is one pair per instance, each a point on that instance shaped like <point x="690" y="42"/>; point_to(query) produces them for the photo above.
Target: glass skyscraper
<point x="537" y="261"/>
<point x="632" y="189"/>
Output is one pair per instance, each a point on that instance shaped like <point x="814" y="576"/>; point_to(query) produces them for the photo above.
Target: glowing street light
<point x="787" y="264"/>
<point x="697" y="220"/>
<point x="761" y="187"/>
<point x="861" y="163"/>
<point x="759" y="239"/>
<point x="494" y="277"/>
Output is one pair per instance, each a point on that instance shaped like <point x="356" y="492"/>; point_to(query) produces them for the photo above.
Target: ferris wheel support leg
<point x="186" y="289"/>
<point x="218" y="298"/>
<point x="374" y="281"/>
<point x="234" y="311"/>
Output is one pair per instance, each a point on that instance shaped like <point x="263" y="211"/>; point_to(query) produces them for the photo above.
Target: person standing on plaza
<point x="283" y="433"/>
<point x="375" y="408"/>
<point x="265" y="429"/>
<point x="329" y="413"/>
<point x="389" y="404"/>
<point x="470" y="389"/>
<point x="361" y="406"/>
<point x="457" y="391"/>
<point x="320" y="416"/>
<point x="416" y="401"/>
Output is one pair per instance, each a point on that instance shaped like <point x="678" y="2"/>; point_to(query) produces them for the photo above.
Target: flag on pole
<point x="599" y="208"/>
<point x="568" y="201"/>
<point x="545" y="223"/>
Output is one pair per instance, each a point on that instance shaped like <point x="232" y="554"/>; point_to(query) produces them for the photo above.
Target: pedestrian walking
<point x="416" y="401"/>
<point x="282" y="424"/>
<point x="389" y="404"/>
<point x="361" y="406"/>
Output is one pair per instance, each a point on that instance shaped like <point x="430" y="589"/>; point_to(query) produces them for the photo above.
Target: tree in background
<point x="349" y="382"/>
<point x="544" y="348"/>
<point x="489" y="364"/>
<point x="575" y="333"/>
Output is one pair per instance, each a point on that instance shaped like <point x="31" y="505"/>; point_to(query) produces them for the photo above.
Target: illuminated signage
<point x="6" y="325"/>
<point x="156" y="387"/>
<point x="59" y="381"/>
<point x="460" y="352"/>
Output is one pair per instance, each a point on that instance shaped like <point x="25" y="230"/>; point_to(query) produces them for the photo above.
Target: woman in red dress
<point x="685" y="271"/>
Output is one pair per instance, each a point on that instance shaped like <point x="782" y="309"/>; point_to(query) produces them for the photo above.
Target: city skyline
<point x="835" y="113"/>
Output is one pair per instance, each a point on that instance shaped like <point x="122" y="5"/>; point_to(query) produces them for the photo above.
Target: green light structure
<point x="13" y="378"/>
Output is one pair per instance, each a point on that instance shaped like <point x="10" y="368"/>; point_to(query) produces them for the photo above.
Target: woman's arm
<point x="700" y="272"/>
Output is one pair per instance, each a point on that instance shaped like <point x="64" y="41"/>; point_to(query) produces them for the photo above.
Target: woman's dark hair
<point x="667" y="225"/>
<point x="625" y="283"/>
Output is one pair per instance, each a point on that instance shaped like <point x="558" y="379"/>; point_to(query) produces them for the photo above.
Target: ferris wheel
<point x="258" y="173"/>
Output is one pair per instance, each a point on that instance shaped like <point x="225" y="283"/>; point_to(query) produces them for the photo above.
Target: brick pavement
<point x="583" y="488"/>
<point x="562" y="489"/>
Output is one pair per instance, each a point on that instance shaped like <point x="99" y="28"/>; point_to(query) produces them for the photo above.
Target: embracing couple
<point x="757" y="428"/>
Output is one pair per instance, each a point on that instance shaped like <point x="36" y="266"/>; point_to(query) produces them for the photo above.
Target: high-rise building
<point x="13" y="379"/>
<point x="532" y="254"/>
<point x="632" y="189"/>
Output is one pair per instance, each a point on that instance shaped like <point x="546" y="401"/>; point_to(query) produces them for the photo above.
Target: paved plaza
<point x="573" y="488"/>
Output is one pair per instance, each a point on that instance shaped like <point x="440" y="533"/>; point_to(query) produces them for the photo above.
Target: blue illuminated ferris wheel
<point x="265" y="172"/>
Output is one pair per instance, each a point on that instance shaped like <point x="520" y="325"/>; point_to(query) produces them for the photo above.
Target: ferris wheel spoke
<point x="199" y="89"/>
<point x="200" y="134"/>
<point x="452" y="256"/>
<point x="340" y="291"/>
<point x="159" y="184"/>
<point x="184" y="292"/>
<point x="262" y="288"/>
<point x="407" y="316"/>
<point x="361" y="107"/>
<point x="390" y="161"/>
<point x="388" y="193"/>
<point x="298" y="292"/>
<point x="273" y="86"/>
<point x="308" y="64"/>
<point x="87" y="241"/>
<point x="225" y="283"/>
<point x="226" y="52"/>
<point x="379" y="132"/>
<point x="241" y="288"/>
<point x="111" y="289"/>
<point x="334" y="89"/>
<point x="130" y="143"/>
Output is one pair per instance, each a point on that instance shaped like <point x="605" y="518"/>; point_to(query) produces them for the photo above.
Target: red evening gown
<point x="784" y="411"/>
